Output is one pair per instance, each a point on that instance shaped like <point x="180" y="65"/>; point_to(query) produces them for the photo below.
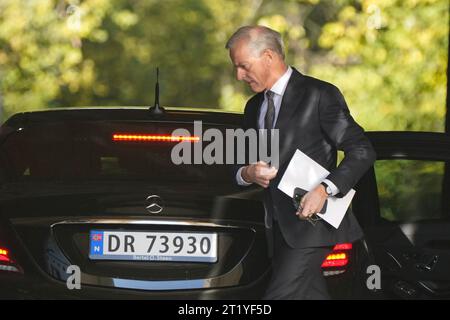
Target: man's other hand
<point x="260" y="173"/>
<point x="312" y="202"/>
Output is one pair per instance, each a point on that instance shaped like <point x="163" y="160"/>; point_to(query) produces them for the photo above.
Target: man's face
<point x="250" y="68"/>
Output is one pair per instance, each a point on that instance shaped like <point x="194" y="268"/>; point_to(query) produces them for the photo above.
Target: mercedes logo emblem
<point x="155" y="204"/>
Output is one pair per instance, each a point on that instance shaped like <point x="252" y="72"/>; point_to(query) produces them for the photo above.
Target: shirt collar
<point x="280" y="86"/>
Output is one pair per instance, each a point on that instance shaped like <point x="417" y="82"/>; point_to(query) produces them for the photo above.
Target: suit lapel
<point x="291" y="98"/>
<point x="289" y="104"/>
<point x="255" y="109"/>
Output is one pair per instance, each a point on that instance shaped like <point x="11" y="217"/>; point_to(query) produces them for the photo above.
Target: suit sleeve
<point x="246" y="124"/>
<point x="346" y="135"/>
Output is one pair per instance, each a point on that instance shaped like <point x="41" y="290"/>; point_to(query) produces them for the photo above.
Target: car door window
<point x="410" y="190"/>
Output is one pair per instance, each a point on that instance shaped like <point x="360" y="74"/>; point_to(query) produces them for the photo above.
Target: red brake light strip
<point x="154" y="137"/>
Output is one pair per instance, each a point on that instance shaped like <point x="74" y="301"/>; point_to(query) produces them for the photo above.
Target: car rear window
<point x="410" y="190"/>
<point x="75" y="151"/>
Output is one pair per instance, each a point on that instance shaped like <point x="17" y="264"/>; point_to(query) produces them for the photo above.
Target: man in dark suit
<point x="311" y="115"/>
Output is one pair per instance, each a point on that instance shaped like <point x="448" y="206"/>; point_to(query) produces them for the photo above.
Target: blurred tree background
<point x="389" y="57"/>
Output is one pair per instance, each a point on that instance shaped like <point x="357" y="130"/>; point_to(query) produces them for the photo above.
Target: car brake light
<point x="153" y="138"/>
<point x="4" y="255"/>
<point x="343" y="246"/>
<point x="337" y="260"/>
<point x="7" y="263"/>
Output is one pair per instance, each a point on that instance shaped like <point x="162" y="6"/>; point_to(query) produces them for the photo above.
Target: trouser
<point x="296" y="273"/>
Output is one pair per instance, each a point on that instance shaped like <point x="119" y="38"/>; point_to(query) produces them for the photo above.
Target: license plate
<point x="153" y="246"/>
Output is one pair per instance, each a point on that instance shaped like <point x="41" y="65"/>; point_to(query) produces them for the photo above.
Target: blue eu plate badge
<point x="96" y="243"/>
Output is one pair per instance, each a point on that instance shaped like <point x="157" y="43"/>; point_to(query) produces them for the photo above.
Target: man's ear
<point x="268" y="57"/>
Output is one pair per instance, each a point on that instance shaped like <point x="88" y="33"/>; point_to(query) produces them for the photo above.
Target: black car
<point x="72" y="178"/>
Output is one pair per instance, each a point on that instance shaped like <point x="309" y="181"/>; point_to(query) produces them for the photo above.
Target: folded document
<point x="303" y="172"/>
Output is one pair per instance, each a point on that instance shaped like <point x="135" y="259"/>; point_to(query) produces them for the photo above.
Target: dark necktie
<point x="268" y="125"/>
<point x="268" y="119"/>
<point x="270" y="114"/>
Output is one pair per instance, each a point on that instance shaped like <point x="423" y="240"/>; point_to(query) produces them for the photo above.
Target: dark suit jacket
<point x="315" y="119"/>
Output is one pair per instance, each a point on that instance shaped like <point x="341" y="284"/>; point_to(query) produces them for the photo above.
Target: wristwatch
<point x="327" y="189"/>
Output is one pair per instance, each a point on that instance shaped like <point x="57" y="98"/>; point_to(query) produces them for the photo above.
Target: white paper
<point x="303" y="172"/>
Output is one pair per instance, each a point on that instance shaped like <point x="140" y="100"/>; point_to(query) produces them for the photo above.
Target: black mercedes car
<point x="92" y="206"/>
<point x="96" y="190"/>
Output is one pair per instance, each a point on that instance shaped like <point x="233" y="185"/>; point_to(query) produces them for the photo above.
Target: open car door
<point x="403" y="207"/>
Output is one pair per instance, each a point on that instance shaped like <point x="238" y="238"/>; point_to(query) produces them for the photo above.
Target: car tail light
<point x="153" y="138"/>
<point x="7" y="263"/>
<point x="337" y="260"/>
<point x="343" y="246"/>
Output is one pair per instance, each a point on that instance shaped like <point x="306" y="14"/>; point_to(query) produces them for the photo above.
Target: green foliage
<point x="410" y="190"/>
<point x="388" y="57"/>
<point x="40" y="51"/>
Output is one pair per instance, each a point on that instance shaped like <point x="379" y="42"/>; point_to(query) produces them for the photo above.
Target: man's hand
<point x="260" y="173"/>
<point x="312" y="202"/>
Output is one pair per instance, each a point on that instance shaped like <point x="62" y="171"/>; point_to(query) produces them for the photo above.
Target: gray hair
<point x="259" y="39"/>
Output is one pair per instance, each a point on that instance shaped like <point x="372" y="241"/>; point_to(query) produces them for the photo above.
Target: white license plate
<point x="153" y="246"/>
